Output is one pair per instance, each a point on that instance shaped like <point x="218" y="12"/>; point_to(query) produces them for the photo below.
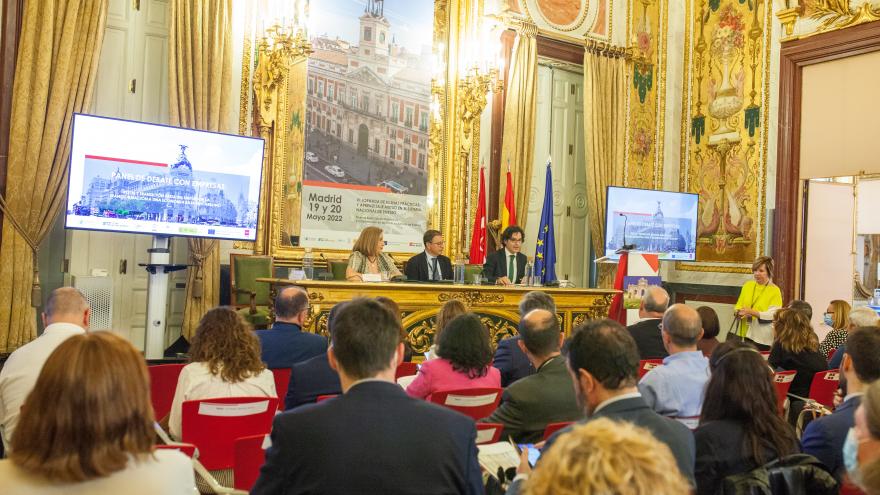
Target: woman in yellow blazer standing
<point x="758" y="301"/>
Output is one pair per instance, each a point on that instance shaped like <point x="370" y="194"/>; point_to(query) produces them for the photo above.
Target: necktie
<point x="510" y="268"/>
<point x="435" y="270"/>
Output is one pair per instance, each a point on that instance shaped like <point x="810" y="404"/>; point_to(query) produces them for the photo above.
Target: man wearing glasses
<point x="430" y="265"/>
<point x="507" y="265"/>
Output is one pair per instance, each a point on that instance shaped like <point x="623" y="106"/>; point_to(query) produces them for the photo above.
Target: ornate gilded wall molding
<point x="825" y="15"/>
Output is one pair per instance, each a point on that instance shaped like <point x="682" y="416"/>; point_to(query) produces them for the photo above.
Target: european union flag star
<point x="540" y="256"/>
<point x="540" y="242"/>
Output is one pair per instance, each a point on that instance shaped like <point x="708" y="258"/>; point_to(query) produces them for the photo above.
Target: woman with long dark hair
<point x="464" y="357"/>
<point x="740" y="428"/>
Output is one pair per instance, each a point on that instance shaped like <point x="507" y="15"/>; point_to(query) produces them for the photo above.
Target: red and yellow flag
<point x="508" y="215"/>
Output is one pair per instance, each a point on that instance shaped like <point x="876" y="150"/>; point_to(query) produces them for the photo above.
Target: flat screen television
<point x="661" y="222"/>
<point x="145" y="178"/>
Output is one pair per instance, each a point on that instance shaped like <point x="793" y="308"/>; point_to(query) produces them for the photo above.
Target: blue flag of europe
<point x="545" y="251"/>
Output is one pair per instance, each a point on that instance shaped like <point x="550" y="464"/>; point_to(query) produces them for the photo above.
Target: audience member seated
<point x="676" y="388"/>
<point x="804" y="307"/>
<point x="313" y="377"/>
<point x="465" y="358"/>
<point x="87" y="427"/>
<point x="796" y="348"/>
<point x="509" y="359"/>
<point x="711" y="329"/>
<point x="395" y="310"/>
<point x="647" y="331"/>
<point x="286" y="343"/>
<point x="861" y="449"/>
<point x="823" y="437"/>
<point x="448" y="311"/>
<point x="373" y="438"/>
<point x="604" y="359"/>
<point x="862" y="316"/>
<point x="836" y="318"/>
<point x="66" y="314"/>
<point x="367" y="257"/>
<point x="740" y="428"/>
<point x="225" y="362"/>
<point x="605" y="456"/>
<point x="528" y="405"/>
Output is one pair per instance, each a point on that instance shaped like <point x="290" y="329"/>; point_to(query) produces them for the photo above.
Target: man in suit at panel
<point x="510" y="360"/>
<point x="507" y="265"/>
<point x="285" y="343"/>
<point x="603" y="361"/>
<point x="647" y="331"/>
<point x="530" y="404"/>
<point x="430" y="265"/>
<point x="823" y="438"/>
<point x="373" y="438"/>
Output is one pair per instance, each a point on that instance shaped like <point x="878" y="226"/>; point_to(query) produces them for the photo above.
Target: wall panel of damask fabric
<point x="724" y="128"/>
<point x="647" y="94"/>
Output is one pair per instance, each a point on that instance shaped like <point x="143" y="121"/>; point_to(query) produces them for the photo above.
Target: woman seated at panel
<point x="796" y="348"/>
<point x="367" y="257"/>
<point x="225" y="362"/>
<point x="464" y="358"/>
<point x="87" y="427"/>
<point x="740" y="428"/>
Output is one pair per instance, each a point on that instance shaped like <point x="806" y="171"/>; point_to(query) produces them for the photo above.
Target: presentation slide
<point x="660" y="222"/>
<point x="151" y="179"/>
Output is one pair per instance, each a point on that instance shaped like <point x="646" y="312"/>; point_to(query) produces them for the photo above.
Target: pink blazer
<point x="437" y="375"/>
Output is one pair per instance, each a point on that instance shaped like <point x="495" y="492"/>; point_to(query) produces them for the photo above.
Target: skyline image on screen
<point x="661" y="222"/>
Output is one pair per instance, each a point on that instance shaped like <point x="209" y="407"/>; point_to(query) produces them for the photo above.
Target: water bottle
<point x="527" y="275"/>
<point x="536" y="279"/>
<point x="309" y="264"/>
<point x="458" y="272"/>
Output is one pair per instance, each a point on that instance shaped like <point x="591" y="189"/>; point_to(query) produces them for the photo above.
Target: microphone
<point x="625" y="247"/>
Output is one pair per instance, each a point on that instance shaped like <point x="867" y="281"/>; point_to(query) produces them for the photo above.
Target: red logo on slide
<point x="247" y="231"/>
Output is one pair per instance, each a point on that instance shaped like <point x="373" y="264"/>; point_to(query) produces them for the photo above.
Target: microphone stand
<point x="625" y="247"/>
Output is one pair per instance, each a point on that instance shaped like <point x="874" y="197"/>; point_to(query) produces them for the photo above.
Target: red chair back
<point x="646" y="365"/>
<point x="554" y="427"/>
<point x="249" y="458"/>
<point x="488" y="432"/>
<point x="282" y="379"/>
<point x="831" y="354"/>
<point x="212" y="425"/>
<point x="406" y="369"/>
<point x="322" y="398"/>
<point x="474" y="402"/>
<point x="163" y="383"/>
<point x="825" y="383"/>
<point x="187" y="449"/>
<point x="765" y="354"/>
<point x="782" y="381"/>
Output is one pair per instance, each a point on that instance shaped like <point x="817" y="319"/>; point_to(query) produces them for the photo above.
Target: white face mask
<point x="851" y="457"/>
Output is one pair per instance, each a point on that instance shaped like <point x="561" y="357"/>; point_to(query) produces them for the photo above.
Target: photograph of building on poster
<point x="369" y="94"/>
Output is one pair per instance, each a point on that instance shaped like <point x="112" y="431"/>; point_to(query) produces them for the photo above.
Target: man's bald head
<point x="540" y="332"/>
<point x="683" y="325"/>
<point x="66" y="305"/>
<point x="655" y="301"/>
<point x="290" y="303"/>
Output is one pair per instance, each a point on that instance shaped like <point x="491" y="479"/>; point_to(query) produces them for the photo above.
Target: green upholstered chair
<point x="251" y="298"/>
<point x="337" y="268"/>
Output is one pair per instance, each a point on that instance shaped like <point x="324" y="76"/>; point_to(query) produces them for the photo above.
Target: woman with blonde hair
<point x="367" y="257"/>
<point x="87" y="427"/>
<point x="605" y="456"/>
<point x="836" y="317"/>
<point x="796" y="348"/>
<point x="224" y="362"/>
<point x="758" y="299"/>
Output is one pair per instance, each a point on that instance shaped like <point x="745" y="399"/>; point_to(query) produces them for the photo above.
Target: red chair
<point x="554" y="427"/>
<point x="831" y="354"/>
<point x="825" y="383"/>
<point x="765" y="354"/>
<point x="282" y="379"/>
<point x="646" y="365"/>
<point x="474" y="402"/>
<point x="163" y="383"/>
<point x="249" y="458"/>
<point x="322" y="398"/>
<point x="212" y="425"/>
<point x="406" y="369"/>
<point x="489" y="432"/>
<point x="782" y="381"/>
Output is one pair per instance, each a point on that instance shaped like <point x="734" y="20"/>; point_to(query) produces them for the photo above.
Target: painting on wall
<point x="647" y="94"/>
<point x="724" y="128"/>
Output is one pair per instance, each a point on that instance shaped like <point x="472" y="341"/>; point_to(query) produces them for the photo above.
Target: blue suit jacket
<point x="285" y="344"/>
<point x="837" y="358"/>
<point x="823" y="438"/>
<point x="309" y="379"/>
<point x="372" y="439"/>
<point x="511" y="361"/>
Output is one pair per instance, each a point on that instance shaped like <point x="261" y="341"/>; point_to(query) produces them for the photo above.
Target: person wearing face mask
<point x="861" y="449"/>
<point x="835" y="318"/>
<point x="758" y="300"/>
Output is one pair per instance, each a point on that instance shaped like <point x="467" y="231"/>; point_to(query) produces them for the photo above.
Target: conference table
<point x="419" y="303"/>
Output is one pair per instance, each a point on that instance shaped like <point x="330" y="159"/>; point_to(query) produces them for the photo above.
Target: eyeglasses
<point x="515" y="241"/>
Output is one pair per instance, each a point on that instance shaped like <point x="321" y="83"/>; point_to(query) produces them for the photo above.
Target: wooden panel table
<point x="419" y="304"/>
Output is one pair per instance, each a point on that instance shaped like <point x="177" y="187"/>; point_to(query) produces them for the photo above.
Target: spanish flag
<point x="508" y="215"/>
